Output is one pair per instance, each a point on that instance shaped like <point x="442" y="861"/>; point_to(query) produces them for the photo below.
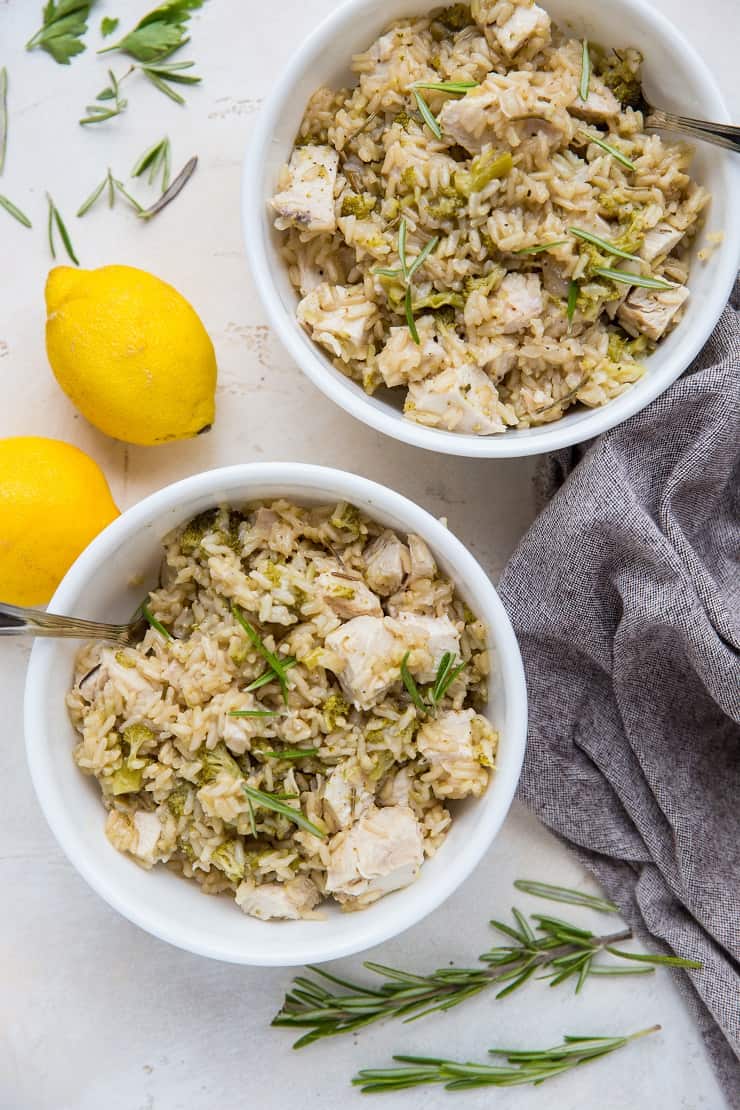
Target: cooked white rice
<point x="505" y="339"/>
<point x="347" y="600"/>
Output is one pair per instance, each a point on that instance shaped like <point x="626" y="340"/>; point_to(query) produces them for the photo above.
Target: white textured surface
<point x="94" y="1013"/>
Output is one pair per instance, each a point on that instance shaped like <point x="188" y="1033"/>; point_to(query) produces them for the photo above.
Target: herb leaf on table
<point x="160" y="33"/>
<point x="64" y="24"/>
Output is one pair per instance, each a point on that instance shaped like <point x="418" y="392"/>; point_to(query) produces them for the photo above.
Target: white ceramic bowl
<point x="99" y="586"/>
<point x="675" y="77"/>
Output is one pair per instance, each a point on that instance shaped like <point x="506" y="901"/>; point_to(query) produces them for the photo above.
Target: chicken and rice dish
<point x="304" y="706"/>
<point x="482" y="223"/>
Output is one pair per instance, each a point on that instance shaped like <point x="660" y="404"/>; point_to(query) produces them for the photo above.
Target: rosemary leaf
<point x="447" y="86"/>
<point x="55" y="219"/>
<point x="573" y="292"/>
<point x="3" y="116"/>
<point x="539" y="247"/>
<point x="402" y="233"/>
<point x="269" y="676"/>
<point x="410" y="684"/>
<point x="271" y="802"/>
<point x="253" y="713"/>
<point x="585" y="81"/>
<point x="289" y="753"/>
<point x="138" y="208"/>
<point x="649" y="958"/>
<point x="422" y="256"/>
<point x="427" y="116"/>
<point x="603" y="244"/>
<point x="155" y="624"/>
<point x="409" y="309"/>
<point x="162" y="85"/>
<point x="152" y="155"/>
<point x="174" y="189"/>
<point x="565" y="894"/>
<point x="87" y="204"/>
<point x="616" y="154"/>
<point x="626" y="278"/>
<point x="14" y="211"/>
<point x="270" y="658"/>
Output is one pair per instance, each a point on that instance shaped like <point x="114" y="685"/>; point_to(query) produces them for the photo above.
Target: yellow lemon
<point x="130" y="353"/>
<point x="53" y="500"/>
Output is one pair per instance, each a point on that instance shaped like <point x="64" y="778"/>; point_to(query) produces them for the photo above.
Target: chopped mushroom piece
<point x="308" y="202"/>
<point x="348" y="596"/>
<point x="346" y="794"/>
<point x="650" y="311"/>
<point x="383" y="851"/>
<point x="387" y="563"/>
<point x="449" y="743"/>
<point x="460" y="399"/>
<point x="340" y="318"/>
<point x="659" y="241"/>
<point x="290" y="901"/>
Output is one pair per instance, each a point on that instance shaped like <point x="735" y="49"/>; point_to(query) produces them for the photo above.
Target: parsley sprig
<point x="64" y="24"/>
<point x="405" y="272"/>
<point x="447" y="672"/>
<point x="159" y="33"/>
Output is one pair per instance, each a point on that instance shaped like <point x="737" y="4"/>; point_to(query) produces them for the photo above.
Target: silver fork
<point x="721" y="134"/>
<point x="15" y="621"/>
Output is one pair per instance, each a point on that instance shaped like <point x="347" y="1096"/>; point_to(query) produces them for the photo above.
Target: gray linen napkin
<point x="625" y="595"/>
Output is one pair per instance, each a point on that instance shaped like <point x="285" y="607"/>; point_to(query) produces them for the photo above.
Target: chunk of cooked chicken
<point x="422" y="560"/>
<point x="138" y="835"/>
<point x="401" y="360"/>
<point x="387" y="563"/>
<point x="518" y="301"/>
<point x="346" y="794"/>
<point x="448" y="743"/>
<point x="396" y="790"/>
<point x="527" y="22"/>
<point x="383" y="851"/>
<point x="427" y="639"/>
<point x="460" y="399"/>
<point x="308" y="202"/>
<point x="348" y="596"/>
<point x="340" y="318"/>
<point x="599" y="106"/>
<point x="508" y="109"/>
<point x="659" y="241"/>
<point x="290" y="901"/>
<point x="651" y="311"/>
<point x="370" y="650"/>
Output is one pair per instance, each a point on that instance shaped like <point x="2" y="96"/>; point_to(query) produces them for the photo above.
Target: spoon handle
<point x="16" y="621"/>
<point x="721" y="134"/>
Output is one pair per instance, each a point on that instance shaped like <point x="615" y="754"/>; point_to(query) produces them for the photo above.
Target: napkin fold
<point x="625" y="596"/>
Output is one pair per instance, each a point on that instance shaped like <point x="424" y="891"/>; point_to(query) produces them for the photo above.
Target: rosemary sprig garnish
<point x="156" y="158"/>
<point x="289" y="753"/>
<point x="520" y="1067"/>
<point x="627" y="278"/>
<point x="277" y="666"/>
<point x="269" y="676"/>
<point x="427" y="115"/>
<point x="253" y="713"/>
<point x="154" y="623"/>
<point x="585" y="81"/>
<point x="272" y="802"/>
<point x="173" y="190"/>
<point x="3" y="116"/>
<point x="539" y="247"/>
<point x="447" y="672"/>
<point x="64" y="24"/>
<point x="616" y="154"/>
<point x="460" y="87"/>
<point x="14" y="211"/>
<point x="405" y="273"/>
<point x="573" y="291"/>
<point x="565" y="894"/>
<point x="162" y="75"/>
<point x="55" y="220"/>
<point x="114" y="186"/>
<point x="99" y="113"/>
<point x="545" y="947"/>
<point x="603" y="244"/>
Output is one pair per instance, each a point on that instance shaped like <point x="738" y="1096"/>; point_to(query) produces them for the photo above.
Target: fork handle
<point x="17" y="621"/>
<point x="720" y="134"/>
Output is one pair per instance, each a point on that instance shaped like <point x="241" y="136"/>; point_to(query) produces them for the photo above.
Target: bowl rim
<point x="494" y="805"/>
<point x="513" y="443"/>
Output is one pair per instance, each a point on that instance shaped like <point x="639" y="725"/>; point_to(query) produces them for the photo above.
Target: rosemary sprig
<point x="172" y="191"/>
<point x="55" y="220"/>
<point x="64" y="24"/>
<point x="272" y="802"/>
<point x="409" y="682"/>
<point x="14" y="211"/>
<point x="269" y="676"/>
<point x="565" y="894"/>
<point x="616" y="154"/>
<point x="539" y="247"/>
<point x="447" y="672"/>
<point x="114" y="186"/>
<point x="253" y="713"/>
<point x="3" y="116"/>
<point x="544" y="947"/>
<point x="405" y="273"/>
<point x="573" y="292"/>
<point x="461" y="87"/>
<point x="276" y="665"/>
<point x="154" y="623"/>
<point x="99" y="113"/>
<point x="603" y="244"/>
<point x="156" y="158"/>
<point x="427" y="115"/>
<point x="162" y="75"/>
<point x="520" y="1067"/>
<point x="585" y="81"/>
<point x="627" y="278"/>
<point x="289" y="753"/>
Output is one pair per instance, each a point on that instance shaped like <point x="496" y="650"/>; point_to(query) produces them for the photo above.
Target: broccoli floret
<point x="632" y="233"/>
<point x="192" y="534"/>
<point x="346" y="518"/>
<point x="440" y="300"/>
<point x="229" y="858"/>
<point x="126" y="780"/>
<point x="483" y="169"/>
<point x="441" y="208"/>
<point x="360" y="206"/>
<point x="455" y="18"/>
<point x="487" y="283"/>
<point x="621" y="347"/>
<point x="333" y="708"/>
<point x="124" y="660"/>
<point x="186" y="849"/>
<point x="622" y="76"/>
<point x="216" y="760"/>
<point x="177" y="800"/>
<point x="135" y="737"/>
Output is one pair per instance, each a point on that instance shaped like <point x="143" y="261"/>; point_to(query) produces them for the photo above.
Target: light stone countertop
<point x="93" y="1012"/>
